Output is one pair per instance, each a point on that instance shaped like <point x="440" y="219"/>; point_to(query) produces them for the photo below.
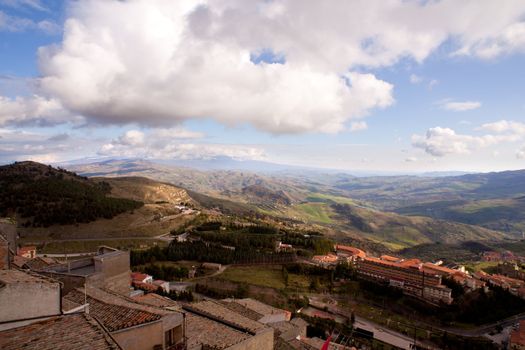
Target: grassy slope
<point x="266" y="276"/>
<point x="507" y="215"/>
<point x="390" y="229"/>
<point x="159" y="199"/>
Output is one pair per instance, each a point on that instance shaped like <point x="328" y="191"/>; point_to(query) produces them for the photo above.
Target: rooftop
<point x="221" y="313"/>
<point x="259" y="307"/>
<point x="39" y="263"/>
<point x="138" y="276"/>
<point x="75" y="331"/>
<point x="17" y="276"/>
<point x="113" y="317"/>
<point x="203" y="331"/>
<point x="352" y="250"/>
<point x="155" y="300"/>
<point x="242" y="310"/>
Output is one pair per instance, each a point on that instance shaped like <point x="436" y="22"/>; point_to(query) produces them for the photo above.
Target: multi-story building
<point x="408" y="275"/>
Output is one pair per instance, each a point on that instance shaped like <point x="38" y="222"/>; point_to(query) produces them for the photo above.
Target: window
<point x="169" y="337"/>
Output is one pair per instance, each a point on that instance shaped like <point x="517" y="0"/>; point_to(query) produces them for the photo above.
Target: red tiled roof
<point x="26" y="249"/>
<point x="439" y="268"/>
<point x="113" y="317"/>
<point x="325" y="258"/>
<point x="75" y="331"/>
<point x="389" y="258"/>
<point x="352" y="250"/>
<point x="138" y="276"/>
<point x="148" y="287"/>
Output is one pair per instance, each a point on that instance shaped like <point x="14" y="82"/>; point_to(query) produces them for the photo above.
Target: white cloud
<point x="161" y="62"/>
<point x="19" y="24"/>
<point x="172" y="144"/>
<point x="31" y="4"/>
<point x="440" y="141"/>
<point x="34" y="110"/>
<point x="358" y="126"/>
<point x="460" y="106"/>
<point x="502" y="126"/>
<point x="131" y="138"/>
<point x="411" y="159"/>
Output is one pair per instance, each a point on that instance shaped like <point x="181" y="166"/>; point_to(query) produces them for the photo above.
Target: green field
<point x="265" y="276"/>
<point x="316" y="212"/>
<point x="322" y="197"/>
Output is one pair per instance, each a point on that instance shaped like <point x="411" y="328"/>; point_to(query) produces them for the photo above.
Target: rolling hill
<point x="321" y="200"/>
<point x="51" y="203"/>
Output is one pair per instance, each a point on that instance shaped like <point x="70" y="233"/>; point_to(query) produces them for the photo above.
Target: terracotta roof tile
<point x="75" y="331"/>
<point x="113" y="317"/>
<point x="215" y="310"/>
<point x="203" y="331"/>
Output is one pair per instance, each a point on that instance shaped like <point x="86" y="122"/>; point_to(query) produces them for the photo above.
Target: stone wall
<point x="143" y="337"/>
<point x="261" y="341"/>
<point x="28" y="300"/>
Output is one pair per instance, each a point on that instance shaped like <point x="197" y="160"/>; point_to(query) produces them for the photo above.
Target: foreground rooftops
<point x="258" y="307"/>
<point x="204" y="331"/>
<point x="17" y="276"/>
<point x="216" y="311"/>
<point x="113" y="317"/>
<point x="75" y="331"/>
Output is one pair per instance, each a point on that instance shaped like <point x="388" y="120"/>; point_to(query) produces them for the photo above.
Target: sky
<point x="380" y="85"/>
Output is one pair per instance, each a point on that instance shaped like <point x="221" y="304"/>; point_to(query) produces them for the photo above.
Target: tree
<point x="314" y="284"/>
<point x="285" y="276"/>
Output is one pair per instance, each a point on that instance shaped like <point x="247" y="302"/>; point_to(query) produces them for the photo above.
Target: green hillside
<point x="41" y="196"/>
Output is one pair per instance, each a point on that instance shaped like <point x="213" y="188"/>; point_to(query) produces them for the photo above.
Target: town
<point x="99" y="299"/>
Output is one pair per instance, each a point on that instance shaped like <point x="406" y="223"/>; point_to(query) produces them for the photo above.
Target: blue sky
<point x="404" y="87"/>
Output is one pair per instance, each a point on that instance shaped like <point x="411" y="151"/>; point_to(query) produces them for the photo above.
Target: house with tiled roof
<point x="75" y="331"/>
<point x="134" y="325"/>
<point x="141" y="277"/>
<point x="212" y="325"/>
<point x="269" y="314"/>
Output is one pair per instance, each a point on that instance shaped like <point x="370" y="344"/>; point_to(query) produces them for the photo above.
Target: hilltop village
<point x="112" y="300"/>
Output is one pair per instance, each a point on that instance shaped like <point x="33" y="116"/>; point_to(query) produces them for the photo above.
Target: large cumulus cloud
<point x="160" y="62"/>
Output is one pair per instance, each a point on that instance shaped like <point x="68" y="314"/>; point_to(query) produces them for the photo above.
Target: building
<point x="281" y="247"/>
<point x="27" y="252"/>
<point x="26" y="297"/>
<point x="325" y="260"/>
<point x="141" y="277"/>
<point x="165" y="286"/>
<point x="211" y="325"/>
<point x="517" y="337"/>
<point x="267" y="313"/>
<point x="109" y="269"/>
<point x="77" y="331"/>
<point x="133" y="325"/>
<point x="352" y="253"/>
<point x="408" y="275"/>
